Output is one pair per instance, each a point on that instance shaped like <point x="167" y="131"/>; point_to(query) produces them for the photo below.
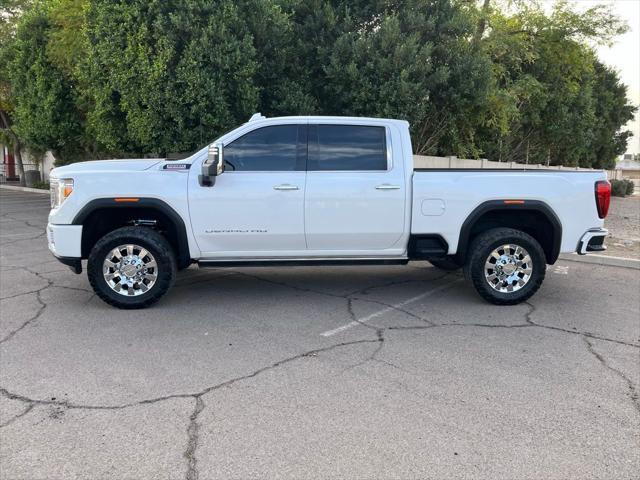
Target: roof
<point x="257" y="117"/>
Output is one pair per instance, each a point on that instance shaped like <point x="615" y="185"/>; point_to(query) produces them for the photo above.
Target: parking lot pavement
<point x="329" y="372"/>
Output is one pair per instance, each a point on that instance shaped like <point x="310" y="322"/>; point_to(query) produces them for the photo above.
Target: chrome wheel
<point x="508" y="268"/>
<point x="130" y="270"/>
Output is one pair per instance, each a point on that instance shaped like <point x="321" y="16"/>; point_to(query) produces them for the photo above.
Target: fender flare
<point x="501" y="205"/>
<point x="183" y="254"/>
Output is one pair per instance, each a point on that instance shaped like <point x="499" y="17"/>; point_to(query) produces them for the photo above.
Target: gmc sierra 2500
<point x="317" y="190"/>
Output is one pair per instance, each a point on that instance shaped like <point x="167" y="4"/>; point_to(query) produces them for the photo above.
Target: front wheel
<point x="131" y="267"/>
<point x="506" y="266"/>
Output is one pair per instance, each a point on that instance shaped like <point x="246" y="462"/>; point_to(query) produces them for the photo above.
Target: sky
<point x="623" y="55"/>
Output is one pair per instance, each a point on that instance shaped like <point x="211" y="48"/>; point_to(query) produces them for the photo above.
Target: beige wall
<point x="633" y="174"/>
<point x="423" y="161"/>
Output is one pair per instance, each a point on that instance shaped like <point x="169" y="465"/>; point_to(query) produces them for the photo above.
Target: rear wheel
<point x="506" y="266"/>
<point x="131" y="267"/>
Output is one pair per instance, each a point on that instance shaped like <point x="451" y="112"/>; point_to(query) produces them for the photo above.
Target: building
<point x="7" y="164"/>
<point x="630" y="166"/>
<point x="9" y="170"/>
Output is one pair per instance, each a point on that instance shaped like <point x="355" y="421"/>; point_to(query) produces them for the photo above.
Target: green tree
<point x="488" y="78"/>
<point x="45" y="110"/>
<point x="612" y="110"/>
<point x="10" y="12"/>
<point x="407" y="59"/>
<point x="280" y="76"/>
<point x="168" y="75"/>
<point x="546" y="96"/>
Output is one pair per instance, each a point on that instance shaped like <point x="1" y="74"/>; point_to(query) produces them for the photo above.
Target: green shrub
<point x="621" y="188"/>
<point x="41" y="185"/>
<point x="618" y="188"/>
<point x="630" y="187"/>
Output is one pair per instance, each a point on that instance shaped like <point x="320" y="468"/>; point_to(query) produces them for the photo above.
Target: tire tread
<point x="160" y="248"/>
<point x="480" y="249"/>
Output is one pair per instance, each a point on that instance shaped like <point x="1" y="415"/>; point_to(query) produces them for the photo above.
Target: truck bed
<point x="444" y="198"/>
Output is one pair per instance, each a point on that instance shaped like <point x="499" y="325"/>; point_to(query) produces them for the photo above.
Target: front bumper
<point x="65" y="242"/>
<point x="592" y="241"/>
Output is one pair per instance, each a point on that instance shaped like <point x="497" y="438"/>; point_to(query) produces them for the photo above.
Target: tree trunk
<point x="17" y="155"/>
<point x="482" y="23"/>
<point x="6" y="125"/>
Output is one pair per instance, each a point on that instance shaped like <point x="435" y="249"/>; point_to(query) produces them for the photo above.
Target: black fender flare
<point x="183" y="254"/>
<point x="510" y="205"/>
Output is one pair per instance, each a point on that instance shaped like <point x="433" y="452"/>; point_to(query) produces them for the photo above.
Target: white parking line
<point x="386" y="310"/>
<point x="561" y="270"/>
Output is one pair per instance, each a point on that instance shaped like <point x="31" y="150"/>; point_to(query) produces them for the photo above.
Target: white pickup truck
<point x="314" y="191"/>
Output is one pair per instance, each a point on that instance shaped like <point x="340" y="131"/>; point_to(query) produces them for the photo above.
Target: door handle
<point x="285" y="186"/>
<point x="386" y="186"/>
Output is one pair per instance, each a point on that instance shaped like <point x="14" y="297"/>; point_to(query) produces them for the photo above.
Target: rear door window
<point x="347" y="147"/>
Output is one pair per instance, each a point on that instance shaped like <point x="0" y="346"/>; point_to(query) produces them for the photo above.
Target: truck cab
<point x="307" y="187"/>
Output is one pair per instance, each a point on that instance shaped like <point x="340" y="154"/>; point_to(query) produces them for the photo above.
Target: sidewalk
<point x="17" y="188"/>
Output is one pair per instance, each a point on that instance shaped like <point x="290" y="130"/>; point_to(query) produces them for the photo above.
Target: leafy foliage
<point x="167" y="75"/>
<point x="622" y="188"/>
<point x="492" y="78"/>
<point x="45" y="112"/>
<point x="10" y="12"/>
<point x="417" y="65"/>
<point x="553" y="102"/>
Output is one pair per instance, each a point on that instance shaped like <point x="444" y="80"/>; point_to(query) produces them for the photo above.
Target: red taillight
<point x="603" y="197"/>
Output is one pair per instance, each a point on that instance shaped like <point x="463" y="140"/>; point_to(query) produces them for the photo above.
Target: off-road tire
<point x="145" y="237"/>
<point x="481" y="248"/>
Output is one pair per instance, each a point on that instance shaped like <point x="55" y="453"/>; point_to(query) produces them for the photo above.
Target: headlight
<point x="61" y="188"/>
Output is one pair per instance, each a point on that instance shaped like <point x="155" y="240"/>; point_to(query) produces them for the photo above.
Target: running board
<point x="427" y="246"/>
<point x="300" y="262"/>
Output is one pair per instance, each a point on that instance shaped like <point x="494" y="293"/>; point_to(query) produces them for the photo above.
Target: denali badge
<point x="177" y="166"/>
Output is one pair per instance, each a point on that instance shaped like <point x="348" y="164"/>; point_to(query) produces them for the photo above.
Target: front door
<point x="256" y="207"/>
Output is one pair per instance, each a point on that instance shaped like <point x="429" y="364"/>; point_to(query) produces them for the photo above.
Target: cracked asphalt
<point x="345" y="372"/>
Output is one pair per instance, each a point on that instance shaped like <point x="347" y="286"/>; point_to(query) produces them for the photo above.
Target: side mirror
<point x="213" y="165"/>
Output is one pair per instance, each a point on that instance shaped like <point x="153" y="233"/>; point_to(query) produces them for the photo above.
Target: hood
<point x="96" y="166"/>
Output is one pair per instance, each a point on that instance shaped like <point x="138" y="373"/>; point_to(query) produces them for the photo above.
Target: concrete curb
<point x="602" y="260"/>
<point x="24" y="189"/>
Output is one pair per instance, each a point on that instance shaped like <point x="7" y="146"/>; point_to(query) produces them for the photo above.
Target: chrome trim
<point x="386" y="186"/>
<point x="388" y="133"/>
<point x="130" y="270"/>
<point x="295" y="259"/>
<point x="508" y="268"/>
<point x="584" y="241"/>
<point x="285" y="186"/>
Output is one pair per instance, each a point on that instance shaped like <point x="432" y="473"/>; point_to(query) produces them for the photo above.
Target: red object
<point x="10" y="163"/>
<point x="603" y="197"/>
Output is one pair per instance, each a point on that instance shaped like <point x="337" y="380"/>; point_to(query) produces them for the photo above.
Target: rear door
<point x="355" y="193"/>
